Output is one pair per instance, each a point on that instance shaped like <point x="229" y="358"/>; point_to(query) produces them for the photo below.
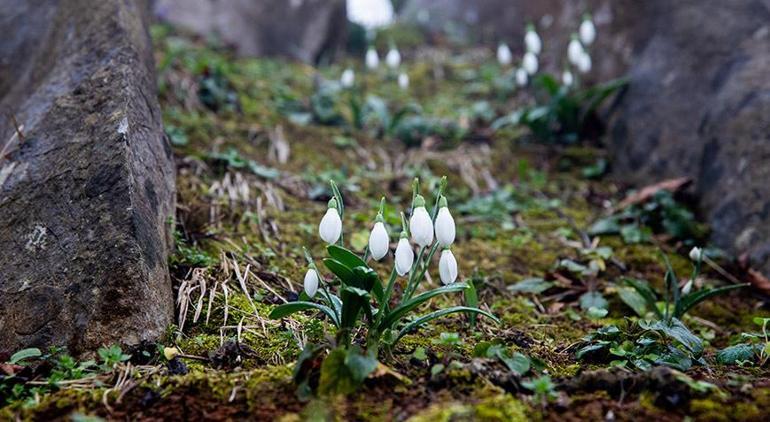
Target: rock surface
<point x="306" y="30"/>
<point x="698" y="102"/>
<point x="86" y="191"/>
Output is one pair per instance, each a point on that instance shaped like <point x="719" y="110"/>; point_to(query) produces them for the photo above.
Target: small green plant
<point x="543" y="387"/>
<point x="663" y="339"/>
<point x="752" y="348"/>
<point x="362" y="300"/>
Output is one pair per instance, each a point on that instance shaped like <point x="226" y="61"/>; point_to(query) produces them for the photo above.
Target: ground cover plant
<point x="563" y="294"/>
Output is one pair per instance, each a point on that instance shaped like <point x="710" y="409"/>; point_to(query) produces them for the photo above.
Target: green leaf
<point x="693" y="299"/>
<point x="734" y="354"/>
<point x="438" y="314"/>
<point x="677" y="331"/>
<point x="360" y="364"/>
<point x="590" y="348"/>
<point x="345" y="256"/>
<point x="633" y="299"/>
<point x="647" y="293"/>
<point x="287" y="309"/>
<point x="596" y="313"/>
<point x="607" y="225"/>
<point x="342" y="271"/>
<point x="472" y="300"/>
<point x="590" y="300"/>
<point x="531" y="285"/>
<point x="518" y="363"/>
<point x="19" y="356"/>
<point x="398" y="312"/>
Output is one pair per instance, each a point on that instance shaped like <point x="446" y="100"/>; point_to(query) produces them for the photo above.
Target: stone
<point x="305" y="30"/>
<point x="87" y="190"/>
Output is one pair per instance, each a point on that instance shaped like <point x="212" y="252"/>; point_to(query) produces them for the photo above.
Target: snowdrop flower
<point x="696" y="254"/>
<point x="584" y="64"/>
<point x="420" y="225"/>
<point x="504" y="55"/>
<point x="330" y="228"/>
<point x="372" y="59"/>
<point x="311" y="282"/>
<point x="574" y="50"/>
<point x="521" y="77"/>
<point x="403" y="80"/>
<point x="379" y="241"/>
<point x="532" y="40"/>
<point x="404" y="255"/>
<point x="447" y="267"/>
<point x="587" y="30"/>
<point x="348" y="78"/>
<point x="393" y="59"/>
<point x="530" y="62"/>
<point x="566" y="78"/>
<point x="445" y="225"/>
<point x="687" y="287"/>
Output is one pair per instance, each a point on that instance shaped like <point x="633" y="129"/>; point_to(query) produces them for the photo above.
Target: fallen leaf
<point x="647" y="192"/>
<point x="758" y="281"/>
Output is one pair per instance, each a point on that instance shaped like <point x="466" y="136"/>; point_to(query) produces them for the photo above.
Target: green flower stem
<point x="409" y="285"/>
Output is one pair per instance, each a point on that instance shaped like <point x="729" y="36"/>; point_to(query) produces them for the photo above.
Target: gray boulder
<point x="88" y="187"/>
<point x="305" y="30"/>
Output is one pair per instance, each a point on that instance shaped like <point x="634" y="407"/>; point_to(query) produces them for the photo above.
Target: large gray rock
<point x="85" y="194"/>
<point x="306" y="30"/>
<point x="699" y="105"/>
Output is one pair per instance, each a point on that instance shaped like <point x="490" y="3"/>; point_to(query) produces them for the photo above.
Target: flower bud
<point x="404" y="256"/>
<point x="311" y="282"/>
<point x="696" y="254"/>
<point x="566" y="78"/>
<point x="372" y="59"/>
<point x="348" y="78"/>
<point x="403" y="81"/>
<point x="532" y="40"/>
<point x="447" y="267"/>
<point x="587" y="31"/>
<point x="521" y="77"/>
<point x="393" y="58"/>
<point x="504" y="55"/>
<point x="529" y="63"/>
<point x="584" y="64"/>
<point x="445" y="225"/>
<point x="574" y="51"/>
<point x="330" y="228"/>
<point x="420" y="225"/>
<point x="379" y="241"/>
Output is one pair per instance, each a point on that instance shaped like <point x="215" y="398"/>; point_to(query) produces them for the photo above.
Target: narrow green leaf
<point x="345" y="256"/>
<point x="440" y="313"/>
<point x="399" y="311"/>
<point x="19" y="356"/>
<point x="343" y="272"/>
<point x="472" y="300"/>
<point x="293" y="307"/>
<point x="691" y="300"/>
<point x="647" y="293"/>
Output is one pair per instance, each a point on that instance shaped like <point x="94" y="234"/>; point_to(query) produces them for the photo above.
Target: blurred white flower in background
<point x="584" y="62"/>
<point x="403" y="81"/>
<point x="530" y="62"/>
<point x="393" y="58"/>
<point x="370" y="13"/>
<point x="348" y="78"/>
<point x="587" y="30"/>
<point x="372" y="59"/>
<point x="574" y="50"/>
<point x="521" y="77"/>
<point x="532" y="40"/>
<point x="566" y="78"/>
<point x="504" y="56"/>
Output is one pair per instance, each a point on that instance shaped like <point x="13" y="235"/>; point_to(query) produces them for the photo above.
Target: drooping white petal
<point x="587" y="32"/>
<point x="696" y="254"/>
<point x="447" y="267"/>
<point x="311" y="282"/>
<point x="348" y="78"/>
<point x="521" y="77"/>
<point x="372" y="59"/>
<point x="421" y="227"/>
<point x="532" y="42"/>
<point x="330" y="228"/>
<point x="567" y="79"/>
<point x="379" y="241"/>
<point x="584" y="65"/>
<point x="403" y="81"/>
<point x="404" y="257"/>
<point x="445" y="227"/>
<point x="393" y="59"/>
<point x="504" y="55"/>
<point x="574" y="51"/>
<point x="530" y="63"/>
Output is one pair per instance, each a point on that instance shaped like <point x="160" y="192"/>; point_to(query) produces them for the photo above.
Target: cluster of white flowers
<point x="423" y="229"/>
<point x="372" y="61"/>
<point x="577" y="50"/>
<point x="529" y="62"/>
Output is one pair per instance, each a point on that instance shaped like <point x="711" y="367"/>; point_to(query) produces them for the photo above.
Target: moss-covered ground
<point x="253" y="166"/>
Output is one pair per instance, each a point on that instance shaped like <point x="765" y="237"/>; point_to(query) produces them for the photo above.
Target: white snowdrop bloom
<point x="566" y="78"/>
<point x="379" y="241"/>
<point x="504" y="55"/>
<point x="696" y="254"/>
<point x="330" y="228"/>
<point x="403" y="80"/>
<point x="393" y="58"/>
<point x="372" y="59"/>
<point x="404" y="256"/>
<point x="348" y="78"/>
<point x="530" y="62"/>
<point x="421" y="225"/>
<point x="521" y="77"/>
<point x="587" y="31"/>
<point x="447" y="267"/>
<point x="445" y="225"/>
<point x="687" y="288"/>
<point x="532" y="40"/>
<point x="574" y="51"/>
<point x="311" y="282"/>
<point x="584" y="64"/>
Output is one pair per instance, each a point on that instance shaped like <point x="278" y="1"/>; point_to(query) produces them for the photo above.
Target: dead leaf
<point x="384" y="371"/>
<point x="647" y="192"/>
<point x="758" y="281"/>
